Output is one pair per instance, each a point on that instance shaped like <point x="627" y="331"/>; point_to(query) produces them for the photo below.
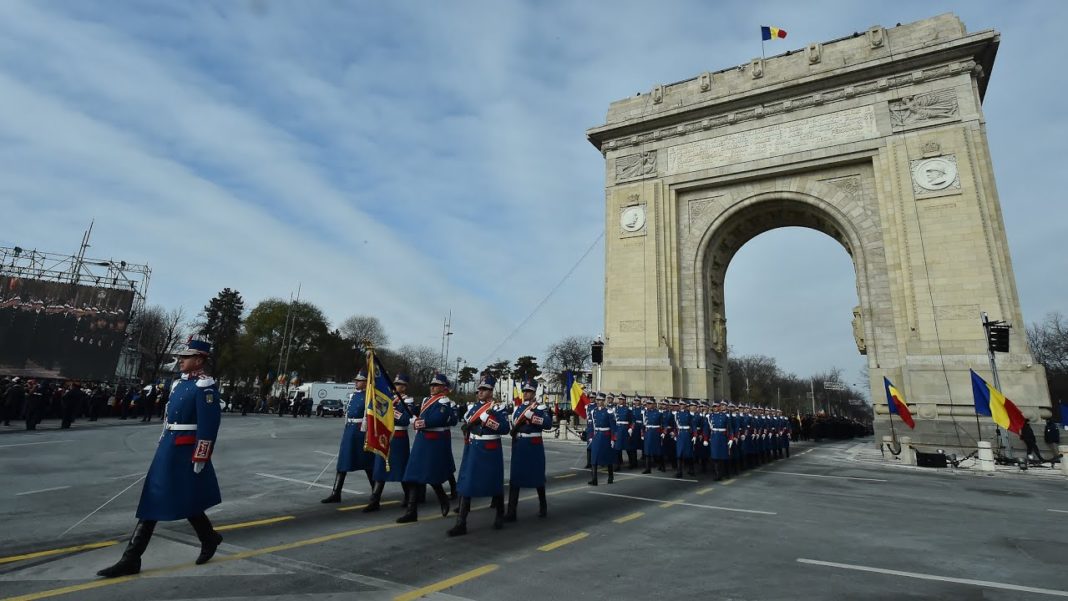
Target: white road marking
<point x="26" y="444"/>
<point x="33" y="492"/>
<point x="917" y="575"/>
<point x="295" y="481"/>
<point x="608" y="494"/>
<point x="126" y="476"/>
<point x="626" y="475"/>
<point x="1057" y="510"/>
<point x="823" y="476"/>
<point x="327" y="454"/>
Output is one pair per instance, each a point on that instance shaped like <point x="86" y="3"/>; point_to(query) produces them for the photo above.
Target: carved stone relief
<point x="858" y="331"/>
<point x="919" y="108"/>
<point x="935" y="174"/>
<point x="849" y="185"/>
<point x="719" y="333"/>
<point x="635" y="166"/>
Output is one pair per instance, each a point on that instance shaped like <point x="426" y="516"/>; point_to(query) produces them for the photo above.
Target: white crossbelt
<point x="622" y="423"/>
<point x="719" y="429"/>
<point x="651" y="426"/>
<point x="529" y="435"/>
<point x="169" y="426"/>
<point x="684" y="427"/>
<point x="435" y="429"/>
<point x="485" y="437"/>
<point x="602" y="429"/>
<point x="354" y="420"/>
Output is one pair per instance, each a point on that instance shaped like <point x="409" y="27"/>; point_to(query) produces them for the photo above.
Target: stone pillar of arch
<point x="877" y="140"/>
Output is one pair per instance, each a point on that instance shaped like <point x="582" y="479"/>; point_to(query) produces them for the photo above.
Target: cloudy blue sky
<point x="439" y="148"/>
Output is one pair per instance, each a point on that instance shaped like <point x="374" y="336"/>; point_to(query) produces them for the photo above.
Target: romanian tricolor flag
<point x="989" y="401"/>
<point x="517" y="395"/>
<point x="895" y="401"/>
<point x="767" y="33"/>
<point x="379" y="414"/>
<point x="575" y="395"/>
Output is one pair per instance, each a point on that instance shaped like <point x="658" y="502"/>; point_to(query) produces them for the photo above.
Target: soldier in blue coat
<point x="634" y="441"/>
<point x="667" y="419"/>
<point x="603" y="422"/>
<point x="181" y="482"/>
<point x="529" y="421"/>
<point x="621" y="433"/>
<point x="403" y="410"/>
<point x="702" y="434"/>
<point x="482" y="467"/>
<point x="351" y="455"/>
<point x="684" y="425"/>
<point x="587" y="433"/>
<point x="721" y="435"/>
<point x="652" y="436"/>
<point x="734" y="443"/>
<point x="431" y="459"/>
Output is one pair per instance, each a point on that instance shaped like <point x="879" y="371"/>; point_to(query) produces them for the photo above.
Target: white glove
<point x="485" y="416"/>
<point x="529" y="414"/>
<point x="198" y="466"/>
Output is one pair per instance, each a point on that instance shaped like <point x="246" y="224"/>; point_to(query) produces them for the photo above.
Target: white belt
<point x="684" y="427"/>
<point x="719" y="429"/>
<point x="170" y="426"/>
<point x="354" y="420"/>
<point x="602" y="429"/>
<point x="435" y="429"/>
<point x="485" y="437"/>
<point x="622" y="423"/>
<point x="657" y="427"/>
<point x="529" y="435"/>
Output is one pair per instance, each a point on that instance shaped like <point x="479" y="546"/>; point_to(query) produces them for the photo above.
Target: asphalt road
<point x="817" y="526"/>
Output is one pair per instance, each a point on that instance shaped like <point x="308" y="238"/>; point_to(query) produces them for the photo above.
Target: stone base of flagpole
<point x="986" y="457"/>
<point x="1063" y="450"/>
<point x="908" y="454"/>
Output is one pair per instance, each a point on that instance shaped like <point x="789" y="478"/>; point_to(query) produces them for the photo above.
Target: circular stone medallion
<point x="632" y="219"/>
<point x="934" y="174"/>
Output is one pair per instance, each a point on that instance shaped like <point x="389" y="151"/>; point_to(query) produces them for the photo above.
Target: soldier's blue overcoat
<point x="172" y="491"/>
<point x="749" y="431"/>
<point x="623" y="423"/>
<point x="399" y="449"/>
<point x="637" y="427"/>
<point x="528" y="453"/>
<point x="702" y="432"/>
<point x="431" y="459"/>
<point x="482" y="469"/>
<point x="684" y="443"/>
<point x="351" y="456"/>
<point x="721" y="433"/>
<point x="653" y="443"/>
<point x="601" y="452"/>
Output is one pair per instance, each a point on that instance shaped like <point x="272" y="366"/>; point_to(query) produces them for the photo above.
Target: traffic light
<point x="998" y="338"/>
<point x="597" y="352"/>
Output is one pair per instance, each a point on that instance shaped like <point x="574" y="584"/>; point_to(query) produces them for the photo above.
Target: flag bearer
<point x="403" y="410"/>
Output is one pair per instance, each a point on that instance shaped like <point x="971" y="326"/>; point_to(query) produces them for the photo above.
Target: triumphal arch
<point x="876" y="139"/>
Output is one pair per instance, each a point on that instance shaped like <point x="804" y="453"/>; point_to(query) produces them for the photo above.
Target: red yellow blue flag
<point x="989" y="401"/>
<point x="575" y="395"/>
<point x="767" y="33"/>
<point x="379" y="413"/>
<point x="895" y="401"/>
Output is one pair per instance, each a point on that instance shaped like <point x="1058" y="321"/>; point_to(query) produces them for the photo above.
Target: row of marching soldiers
<point x="428" y="459"/>
<point x="686" y="434"/>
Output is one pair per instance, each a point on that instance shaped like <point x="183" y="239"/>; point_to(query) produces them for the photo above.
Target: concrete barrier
<point x="986" y="457"/>
<point x="908" y="454"/>
<point x="1064" y="458"/>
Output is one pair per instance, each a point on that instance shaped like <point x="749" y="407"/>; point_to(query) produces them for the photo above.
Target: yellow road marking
<point x="728" y="482"/>
<point x="447" y="583"/>
<point x="629" y="517"/>
<point x="706" y="490"/>
<point x="283" y="518"/>
<point x="50" y="552"/>
<point x="352" y="507"/>
<point x="564" y="541"/>
<point x="572" y="475"/>
<point x="670" y="503"/>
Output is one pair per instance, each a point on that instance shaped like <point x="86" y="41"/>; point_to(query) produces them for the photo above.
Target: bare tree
<point x="421" y="362"/>
<point x="571" y="353"/>
<point x="1049" y="345"/>
<point x="160" y="332"/>
<point x="360" y="328"/>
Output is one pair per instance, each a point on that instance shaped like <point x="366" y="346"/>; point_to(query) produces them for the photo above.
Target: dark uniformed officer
<point x="431" y="459"/>
<point x="181" y="482"/>
<point x="529" y="420"/>
<point x="684" y="424"/>
<point x="398" y="445"/>
<point x="701" y="435"/>
<point x="351" y="455"/>
<point x="621" y="432"/>
<point x="652" y="436"/>
<point x="721" y="435"/>
<point x="482" y="468"/>
<point x="603" y="422"/>
<point x="634" y="439"/>
<point x="667" y="418"/>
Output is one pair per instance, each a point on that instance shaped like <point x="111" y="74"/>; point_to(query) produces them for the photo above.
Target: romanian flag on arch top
<point x="575" y="395"/>
<point x="767" y="33"/>
<point x="989" y="401"/>
<point x="895" y="401"/>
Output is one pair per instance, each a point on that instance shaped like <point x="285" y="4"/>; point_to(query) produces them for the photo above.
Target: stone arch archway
<point x="884" y="151"/>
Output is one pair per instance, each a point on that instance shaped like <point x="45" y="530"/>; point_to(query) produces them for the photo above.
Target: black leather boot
<point x="498" y="519"/>
<point x="588" y="464"/>
<point x="339" y="482"/>
<point x="648" y="465"/>
<point x="460" y="528"/>
<point x="130" y="562"/>
<point x="611" y="476"/>
<point x="411" y="508"/>
<point x="593" y="476"/>
<point x="209" y="538"/>
<point x="513" y="503"/>
<point x="660" y="465"/>
<point x="420" y="493"/>
<point x="452" y="487"/>
<point x="376" y="498"/>
<point x="443" y="499"/>
<point x="543" y="505"/>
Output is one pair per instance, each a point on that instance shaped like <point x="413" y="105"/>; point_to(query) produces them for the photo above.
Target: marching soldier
<point x="181" y="482"/>
<point x="684" y="422"/>
<point x="431" y="459"/>
<point x="667" y="419"/>
<point x="721" y="435"/>
<point x="701" y="436"/>
<point x="587" y="434"/>
<point x="784" y="437"/>
<point x="653" y="436"/>
<point x="482" y="467"/>
<point x="603" y="422"/>
<point x="351" y="456"/>
<point x="529" y="421"/>
<point x="621" y="432"/>
<point x="634" y="440"/>
<point x="398" y="445"/>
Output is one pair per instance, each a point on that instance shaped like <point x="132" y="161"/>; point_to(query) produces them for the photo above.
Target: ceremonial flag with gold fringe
<point x="379" y="415"/>
<point x="517" y="395"/>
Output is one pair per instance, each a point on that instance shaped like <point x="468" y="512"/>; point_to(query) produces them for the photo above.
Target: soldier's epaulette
<point x="541" y="407"/>
<point x="205" y="381"/>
